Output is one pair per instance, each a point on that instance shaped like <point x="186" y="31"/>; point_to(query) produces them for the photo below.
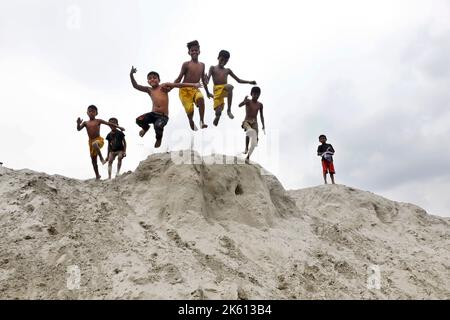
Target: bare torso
<point x="219" y="75"/>
<point x="160" y="99"/>
<point x="251" y="109"/>
<point x="194" y="71"/>
<point x="93" y="128"/>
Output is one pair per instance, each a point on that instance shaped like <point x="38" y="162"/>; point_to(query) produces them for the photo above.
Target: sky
<point x="373" y="75"/>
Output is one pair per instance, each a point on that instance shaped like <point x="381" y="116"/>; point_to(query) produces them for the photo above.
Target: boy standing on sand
<point x="222" y="89"/>
<point x="250" y="124"/>
<point x="95" y="140"/>
<point x="117" y="147"/>
<point x="192" y="72"/>
<point x="326" y="151"/>
<point x="160" y="99"/>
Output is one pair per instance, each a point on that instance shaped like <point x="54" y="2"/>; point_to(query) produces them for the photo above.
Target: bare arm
<point x="205" y="83"/>
<point x="182" y="73"/>
<point x="240" y="80"/>
<point x="80" y="124"/>
<point x="135" y="84"/>
<point x="170" y="85"/>
<point x="110" y="124"/>
<point x="262" y="117"/>
<point x="243" y="103"/>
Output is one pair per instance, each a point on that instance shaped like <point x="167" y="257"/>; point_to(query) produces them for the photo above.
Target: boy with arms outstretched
<point x="160" y="99"/>
<point x="326" y="151"/>
<point x="95" y="140"/>
<point x="222" y="89"/>
<point x="117" y="147"/>
<point x="250" y="124"/>
<point x="192" y="72"/>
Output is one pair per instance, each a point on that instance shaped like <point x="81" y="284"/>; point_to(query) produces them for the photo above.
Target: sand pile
<point x="212" y="231"/>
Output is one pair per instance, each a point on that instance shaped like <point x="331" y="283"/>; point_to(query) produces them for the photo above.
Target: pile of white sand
<point x="201" y="231"/>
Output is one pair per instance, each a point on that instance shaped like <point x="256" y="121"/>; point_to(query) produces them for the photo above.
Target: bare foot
<point x="202" y="125"/>
<point x="158" y="143"/>
<point x="142" y="133"/>
<point x="230" y="114"/>
<point x="193" y="126"/>
<point x="98" y="177"/>
<point x="103" y="161"/>
<point x="245" y="152"/>
<point x="216" y="121"/>
<point x="247" y="160"/>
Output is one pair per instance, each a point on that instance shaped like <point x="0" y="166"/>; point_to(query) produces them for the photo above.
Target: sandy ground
<point x="212" y="231"/>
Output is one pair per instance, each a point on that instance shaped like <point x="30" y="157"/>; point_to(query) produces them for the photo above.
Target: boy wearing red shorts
<point x="326" y="151"/>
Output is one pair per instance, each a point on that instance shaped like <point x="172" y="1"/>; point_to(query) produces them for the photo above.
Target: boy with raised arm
<point x="250" y="124"/>
<point x="160" y="103"/>
<point x="96" y="142"/>
<point x="222" y="89"/>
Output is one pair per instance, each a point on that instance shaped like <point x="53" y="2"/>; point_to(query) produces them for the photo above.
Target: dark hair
<point x="193" y="44"/>
<point x="224" y="53"/>
<point x="113" y="120"/>
<point x="256" y="90"/>
<point x="322" y="136"/>
<point x="153" y="73"/>
<point x="93" y="108"/>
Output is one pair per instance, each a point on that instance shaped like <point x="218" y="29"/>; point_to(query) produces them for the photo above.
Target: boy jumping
<point x="250" y="124"/>
<point x="222" y="89"/>
<point x="193" y="71"/>
<point x="160" y="99"/>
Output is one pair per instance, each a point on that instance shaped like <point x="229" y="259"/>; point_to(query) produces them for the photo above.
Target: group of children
<point x="188" y="81"/>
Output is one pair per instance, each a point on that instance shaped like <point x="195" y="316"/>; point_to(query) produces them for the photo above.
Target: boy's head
<point x="322" y="138"/>
<point x="193" y="49"/>
<point x="255" y="93"/>
<point x="223" y="57"/>
<point x="115" y="121"/>
<point x="153" y="78"/>
<point x="92" y="111"/>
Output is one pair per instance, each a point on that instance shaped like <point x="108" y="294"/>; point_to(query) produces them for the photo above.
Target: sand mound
<point x="211" y="231"/>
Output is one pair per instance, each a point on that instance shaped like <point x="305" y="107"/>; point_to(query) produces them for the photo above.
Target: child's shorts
<point x="327" y="167"/>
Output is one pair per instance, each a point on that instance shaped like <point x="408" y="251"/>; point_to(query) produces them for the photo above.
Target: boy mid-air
<point x="250" y="124"/>
<point x="326" y="151"/>
<point x="192" y="72"/>
<point x="222" y="89"/>
<point x="95" y="140"/>
<point x="160" y="99"/>
<point x="117" y="147"/>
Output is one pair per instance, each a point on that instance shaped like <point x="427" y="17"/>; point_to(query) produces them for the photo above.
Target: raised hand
<point x="79" y="121"/>
<point x="253" y="83"/>
<point x="133" y="70"/>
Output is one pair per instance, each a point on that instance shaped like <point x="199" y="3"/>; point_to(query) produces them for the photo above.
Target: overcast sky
<point x="374" y="76"/>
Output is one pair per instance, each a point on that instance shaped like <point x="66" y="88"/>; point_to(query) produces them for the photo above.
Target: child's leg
<point x="201" y="109"/>
<point x="159" y="129"/>
<point x="218" y="110"/>
<point x="229" y="89"/>
<point x="251" y="134"/>
<point x="95" y="166"/>
<point x="191" y="121"/>
<point x="247" y="140"/>
<point x="325" y="177"/>
<point x="119" y="163"/>
<point x="143" y="122"/>
<point x="99" y="153"/>
<point x="110" y="162"/>
<point x="332" y="178"/>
